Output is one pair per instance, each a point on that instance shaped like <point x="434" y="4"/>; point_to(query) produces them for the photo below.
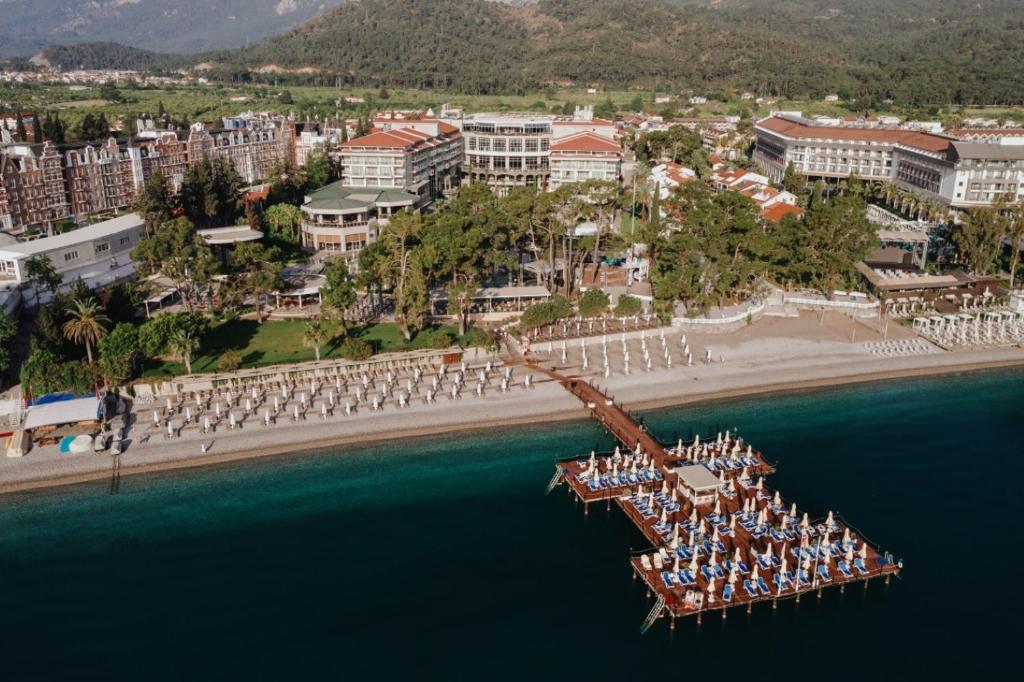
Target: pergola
<point x="507" y="299"/>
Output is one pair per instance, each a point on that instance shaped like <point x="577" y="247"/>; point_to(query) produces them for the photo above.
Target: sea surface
<point x="442" y="559"/>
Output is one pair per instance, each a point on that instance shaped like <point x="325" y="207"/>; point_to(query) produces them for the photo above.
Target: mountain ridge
<point x="919" y="51"/>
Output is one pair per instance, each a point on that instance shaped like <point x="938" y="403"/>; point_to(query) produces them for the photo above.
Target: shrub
<point x="627" y="306"/>
<point x="43" y="373"/>
<point x="355" y="349"/>
<point x="548" y="312"/>
<point x="229" y="361"/>
<point x="593" y="302"/>
<point x="437" y="339"/>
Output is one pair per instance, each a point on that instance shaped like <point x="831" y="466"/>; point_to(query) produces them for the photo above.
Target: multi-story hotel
<point x="344" y="219"/>
<point x="960" y="174"/>
<point x="508" y="150"/>
<point x="44" y="183"/>
<point x="515" y="150"/>
<point x="253" y="144"/>
<point x="421" y="156"/>
<point x="33" y="180"/>
<point x="584" y="156"/>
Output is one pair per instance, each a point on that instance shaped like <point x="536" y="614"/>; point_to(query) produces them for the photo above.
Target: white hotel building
<point x="958" y="173"/>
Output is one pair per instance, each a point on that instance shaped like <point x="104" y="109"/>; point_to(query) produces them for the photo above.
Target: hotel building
<point x="421" y="156"/>
<point x="584" y="156"/>
<point x="958" y="173"/>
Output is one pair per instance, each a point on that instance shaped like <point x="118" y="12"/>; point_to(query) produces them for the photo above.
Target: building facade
<point x="420" y="156"/>
<point x="253" y="144"/>
<point x="508" y="150"/>
<point x="344" y="220"/>
<point x="584" y="156"/>
<point x="958" y="173"/>
<point x="97" y="254"/>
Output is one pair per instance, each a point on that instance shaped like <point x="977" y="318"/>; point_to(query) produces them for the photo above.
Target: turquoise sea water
<point x="442" y="559"/>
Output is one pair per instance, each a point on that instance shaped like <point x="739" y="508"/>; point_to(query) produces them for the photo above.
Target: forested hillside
<point x="916" y="51"/>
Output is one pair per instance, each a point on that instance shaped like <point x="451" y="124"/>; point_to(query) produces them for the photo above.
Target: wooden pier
<point x="720" y="537"/>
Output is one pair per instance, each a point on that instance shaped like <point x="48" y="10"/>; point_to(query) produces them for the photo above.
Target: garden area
<point x="283" y="342"/>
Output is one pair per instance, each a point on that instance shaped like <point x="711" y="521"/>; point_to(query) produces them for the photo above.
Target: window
<point x="70" y="255"/>
<point x="101" y="248"/>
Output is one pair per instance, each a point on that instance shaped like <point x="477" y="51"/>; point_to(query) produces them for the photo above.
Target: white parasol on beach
<point x="846" y="536"/>
<point x="805" y="522"/>
<point x="863" y="550"/>
<point x="849" y="553"/>
<point x="754" y="575"/>
<point x="777" y="500"/>
<point x="714" y="536"/>
<point x="732" y="523"/>
<point x="664" y="515"/>
<point x="206" y="424"/>
<point x="693" y="563"/>
<point x="156" y="418"/>
<point x="711" y="589"/>
<point x="231" y="419"/>
<point x="792" y="510"/>
<point x="734" y="573"/>
<point x="693" y="515"/>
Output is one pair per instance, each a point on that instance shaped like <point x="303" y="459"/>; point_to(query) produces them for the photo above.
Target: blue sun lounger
<point x="844" y="568"/>
<point x="719" y="573"/>
<point x="668" y="579"/>
<point x="706" y="572"/>
<point x="727" y="592"/>
<point x="780" y="581"/>
<point x="763" y="585"/>
<point x="775" y="535"/>
<point x="805" y="581"/>
<point x="823" y="573"/>
<point x="762" y="562"/>
<point x="858" y="563"/>
<point x="789" y="536"/>
<point x="751" y="589"/>
<point x="688" y="577"/>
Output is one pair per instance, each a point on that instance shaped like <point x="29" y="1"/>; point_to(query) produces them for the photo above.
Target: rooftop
<point x="585" y="142"/>
<point x="336" y="197"/>
<point x="88" y="233"/>
<point x="911" y="138"/>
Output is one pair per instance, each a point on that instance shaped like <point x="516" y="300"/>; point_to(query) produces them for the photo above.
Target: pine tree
<point x="22" y="134"/>
<point x="37" y="128"/>
<point x="792" y="181"/>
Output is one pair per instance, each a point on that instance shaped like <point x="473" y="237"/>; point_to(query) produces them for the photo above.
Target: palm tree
<point x="86" y="325"/>
<point x="316" y="335"/>
<point x="183" y="344"/>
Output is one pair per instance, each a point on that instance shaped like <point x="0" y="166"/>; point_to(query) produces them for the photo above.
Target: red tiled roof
<point x="778" y="211"/>
<point x="585" y="142"/>
<point x="402" y="138"/>
<point x="911" y="138"/>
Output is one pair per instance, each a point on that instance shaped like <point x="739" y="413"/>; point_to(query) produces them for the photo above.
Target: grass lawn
<point x="280" y="342"/>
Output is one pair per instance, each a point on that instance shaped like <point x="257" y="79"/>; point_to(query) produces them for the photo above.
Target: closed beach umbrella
<point x="849" y="553"/>
<point x="711" y="587"/>
<point x="170" y="428"/>
<point x="216" y="410"/>
<point x="718" y="505"/>
<point x="664" y="515"/>
<point x="777" y="499"/>
<point x="206" y="423"/>
<point x="693" y="563"/>
<point x="733" y="573"/>
<point x="846" y="535"/>
<point x="863" y="550"/>
<point x="732" y="523"/>
<point x="231" y="419"/>
<point x="266" y="417"/>
<point x="693" y="516"/>
<point x="156" y="418"/>
<point x="760" y="482"/>
<point x="295" y="409"/>
<point x="805" y="523"/>
<point x="714" y="536"/>
<point x="170" y="406"/>
<point x="754" y="576"/>
<point x="188" y="415"/>
<point x="792" y="510"/>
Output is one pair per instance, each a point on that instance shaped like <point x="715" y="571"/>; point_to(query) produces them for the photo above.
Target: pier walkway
<point x="720" y="537"/>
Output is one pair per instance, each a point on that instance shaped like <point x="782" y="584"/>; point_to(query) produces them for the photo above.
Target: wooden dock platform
<point x="720" y="536"/>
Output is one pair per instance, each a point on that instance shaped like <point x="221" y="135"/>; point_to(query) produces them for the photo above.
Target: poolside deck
<point x="720" y="537"/>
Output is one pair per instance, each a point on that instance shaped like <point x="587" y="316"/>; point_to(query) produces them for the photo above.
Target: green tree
<point x="284" y="221"/>
<point x="178" y="253"/>
<point x="211" y="193"/>
<point x="628" y="306"/>
<point x="355" y="349"/>
<point x="155" y="202"/>
<point x="183" y="344"/>
<point x="42" y="273"/>
<point x="395" y="261"/>
<point x="285" y="97"/>
<point x="460" y="302"/>
<point x="338" y="294"/>
<point x="229" y="360"/>
<point x="86" y="325"/>
<point x="315" y="334"/>
<point x="793" y="181"/>
<point x="37" y="128"/>
<point x="20" y="129"/>
<point x="109" y="92"/>
<point x="593" y="302"/>
<point x="155" y="334"/>
<point x="119" y="351"/>
<point x="979" y="239"/>
<point x="8" y="330"/>
<point x="257" y="272"/>
<point x="319" y="170"/>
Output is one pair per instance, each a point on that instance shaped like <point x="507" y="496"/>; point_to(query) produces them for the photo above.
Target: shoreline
<point x="761" y="385"/>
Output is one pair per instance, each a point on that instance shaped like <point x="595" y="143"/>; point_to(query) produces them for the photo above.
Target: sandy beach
<point x="773" y="355"/>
